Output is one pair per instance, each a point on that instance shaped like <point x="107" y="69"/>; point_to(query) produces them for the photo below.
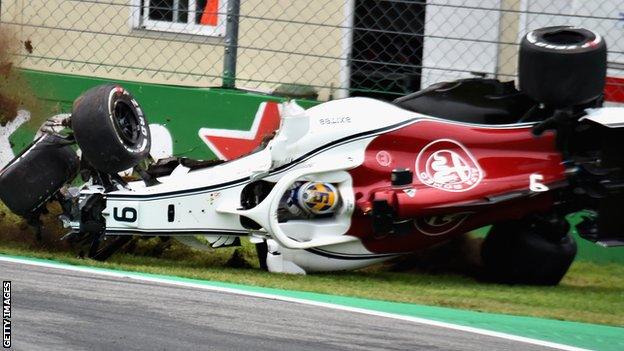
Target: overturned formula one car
<point x="352" y="182"/>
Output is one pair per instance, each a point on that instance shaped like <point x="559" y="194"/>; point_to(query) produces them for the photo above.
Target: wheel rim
<point x="126" y="122"/>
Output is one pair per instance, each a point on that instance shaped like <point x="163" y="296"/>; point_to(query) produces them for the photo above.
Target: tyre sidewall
<point x="562" y="75"/>
<point x="34" y="176"/>
<point x="516" y="255"/>
<point x="98" y="134"/>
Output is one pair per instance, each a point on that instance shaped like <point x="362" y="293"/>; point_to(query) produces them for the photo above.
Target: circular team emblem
<point x="447" y="165"/>
<point x="439" y="225"/>
<point x="383" y="158"/>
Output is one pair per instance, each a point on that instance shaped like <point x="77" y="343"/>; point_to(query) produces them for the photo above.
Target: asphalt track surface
<point x="55" y="309"/>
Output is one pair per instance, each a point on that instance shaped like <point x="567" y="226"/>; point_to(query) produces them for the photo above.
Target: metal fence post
<point x="231" y="44"/>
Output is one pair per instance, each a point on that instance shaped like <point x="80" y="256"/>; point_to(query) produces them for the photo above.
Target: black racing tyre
<point x="514" y="253"/>
<point x="562" y="66"/>
<point x="35" y="175"/>
<point x="110" y="128"/>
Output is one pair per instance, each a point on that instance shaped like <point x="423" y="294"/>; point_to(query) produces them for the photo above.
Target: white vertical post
<point x="176" y="11"/>
<point x="347" y="44"/>
<point x="192" y="13"/>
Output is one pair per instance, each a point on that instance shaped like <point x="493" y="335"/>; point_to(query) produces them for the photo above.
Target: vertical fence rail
<point x="325" y="48"/>
<point x="231" y="44"/>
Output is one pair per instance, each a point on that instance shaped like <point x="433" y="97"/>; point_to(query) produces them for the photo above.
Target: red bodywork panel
<point x="465" y="177"/>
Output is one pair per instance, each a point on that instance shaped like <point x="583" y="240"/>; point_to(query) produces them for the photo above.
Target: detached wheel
<point x="110" y="128"/>
<point x="562" y="66"/>
<point x="518" y="253"/>
<point x="35" y="175"/>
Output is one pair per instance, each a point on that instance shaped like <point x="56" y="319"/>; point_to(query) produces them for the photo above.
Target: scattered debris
<point x="5" y="69"/>
<point x="238" y="260"/>
<point x="8" y="108"/>
<point x="296" y="91"/>
<point x="15" y="94"/>
<point x="461" y="254"/>
<point x="28" y="46"/>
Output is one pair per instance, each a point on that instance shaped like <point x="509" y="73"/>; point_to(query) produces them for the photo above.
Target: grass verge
<point x="589" y="293"/>
<point x="592" y="293"/>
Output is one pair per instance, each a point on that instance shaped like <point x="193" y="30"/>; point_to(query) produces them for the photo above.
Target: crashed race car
<point x="352" y="182"/>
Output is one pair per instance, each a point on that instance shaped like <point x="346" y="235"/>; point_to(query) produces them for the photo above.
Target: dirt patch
<point x="8" y="107"/>
<point x="16" y="229"/>
<point x="5" y="69"/>
<point x="15" y="92"/>
<point x="462" y="254"/>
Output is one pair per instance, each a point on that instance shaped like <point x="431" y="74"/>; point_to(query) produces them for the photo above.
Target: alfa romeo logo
<point x="439" y="225"/>
<point x="447" y="165"/>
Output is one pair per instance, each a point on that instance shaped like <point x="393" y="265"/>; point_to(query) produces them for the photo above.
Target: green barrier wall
<point x="184" y="111"/>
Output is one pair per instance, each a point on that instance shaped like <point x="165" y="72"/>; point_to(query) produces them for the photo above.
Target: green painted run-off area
<point x="583" y="335"/>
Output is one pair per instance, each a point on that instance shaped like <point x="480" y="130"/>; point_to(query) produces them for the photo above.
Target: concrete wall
<point x="98" y="39"/>
<point x="283" y="41"/>
<point x="289" y="49"/>
<point x="509" y="29"/>
<point x="605" y="17"/>
<point x="101" y="39"/>
<point x="460" y="38"/>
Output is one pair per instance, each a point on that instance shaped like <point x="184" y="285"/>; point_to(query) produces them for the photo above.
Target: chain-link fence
<point x="326" y="47"/>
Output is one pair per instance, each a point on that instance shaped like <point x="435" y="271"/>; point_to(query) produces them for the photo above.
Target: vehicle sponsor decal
<point x="334" y="120"/>
<point x="411" y="192"/>
<point x="447" y="165"/>
<point x="439" y="225"/>
<point x="383" y="158"/>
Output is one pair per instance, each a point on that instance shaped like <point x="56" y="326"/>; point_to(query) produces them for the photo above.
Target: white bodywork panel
<point x="6" y="152"/>
<point x="318" y="144"/>
<point x="612" y="117"/>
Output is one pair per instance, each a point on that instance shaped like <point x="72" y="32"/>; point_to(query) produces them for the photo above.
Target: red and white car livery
<point x="466" y="176"/>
